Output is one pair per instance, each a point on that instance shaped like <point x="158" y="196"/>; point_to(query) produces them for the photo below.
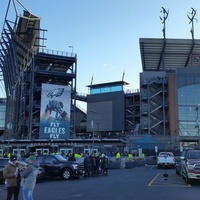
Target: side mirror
<point x="182" y="158"/>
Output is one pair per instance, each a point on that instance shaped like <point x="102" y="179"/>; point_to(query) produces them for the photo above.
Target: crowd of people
<point x="95" y="165"/>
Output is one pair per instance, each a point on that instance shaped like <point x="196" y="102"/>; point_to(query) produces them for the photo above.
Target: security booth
<point x="90" y="151"/>
<point x="94" y="151"/>
<point x="22" y="151"/>
<point x="39" y="151"/>
<point x="87" y="151"/>
<point x="69" y="151"/>
<point x="15" y="152"/>
<point x="63" y="151"/>
<point x="66" y="151"/>
<point x="45" y="151"/>
<point x="42" y="151"/>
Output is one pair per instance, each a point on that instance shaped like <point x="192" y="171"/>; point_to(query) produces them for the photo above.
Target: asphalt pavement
<point x="139" y="183"/>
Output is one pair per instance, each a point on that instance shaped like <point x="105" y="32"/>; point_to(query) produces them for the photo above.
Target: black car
<point x="3" y="163"/>
<point x="57" y="165"/>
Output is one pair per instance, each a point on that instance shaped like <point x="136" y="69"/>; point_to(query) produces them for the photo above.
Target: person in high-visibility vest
<point x="77" y="155"/>
<point x="118" y="156"/>
<point x="130" y="156"/>
<point x="143" y="155"/>
<point x="9" y="154"/>
<point x="57" y="152"/>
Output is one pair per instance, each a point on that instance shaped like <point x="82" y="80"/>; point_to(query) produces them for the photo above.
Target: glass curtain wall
<point x="189" y="105"/>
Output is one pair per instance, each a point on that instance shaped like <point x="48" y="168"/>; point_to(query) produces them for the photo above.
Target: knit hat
<point x="32" y="158"/>
<point x="13" y="158"/>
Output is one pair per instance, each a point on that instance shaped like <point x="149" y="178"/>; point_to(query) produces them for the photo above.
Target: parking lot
<point x="146" y="182"/>
<point x="167" y="178"/>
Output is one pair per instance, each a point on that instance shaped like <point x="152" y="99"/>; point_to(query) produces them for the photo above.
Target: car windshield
<point x="60" y="158"/>
<point x="194" y="155"/>
<point x="165" y="154"/>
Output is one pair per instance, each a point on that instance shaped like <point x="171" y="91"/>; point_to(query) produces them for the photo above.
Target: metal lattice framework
<point x="25" y="65"/>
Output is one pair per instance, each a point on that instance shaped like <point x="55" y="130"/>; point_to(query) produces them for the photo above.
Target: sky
<point x="105" y="33"/>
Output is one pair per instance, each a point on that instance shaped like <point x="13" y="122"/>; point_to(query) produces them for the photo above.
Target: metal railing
<point x="56" y="52"/>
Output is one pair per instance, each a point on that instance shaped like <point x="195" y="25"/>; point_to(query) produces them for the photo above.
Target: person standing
<point x="10" y="173"/>
<point x="72" y="157"/>
<point x="87" y="166"/>
<point x="29" y="176"/>
<point x="97" y="164"/>
<point x="118" y="156"/>
<point x="105" y="165"/>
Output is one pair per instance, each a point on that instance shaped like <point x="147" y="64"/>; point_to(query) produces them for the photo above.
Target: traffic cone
<point x="5" y="185"/>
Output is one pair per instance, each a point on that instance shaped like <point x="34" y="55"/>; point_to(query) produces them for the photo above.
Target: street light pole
<point x="9" y="128"/>
<point x="92" y="125"/>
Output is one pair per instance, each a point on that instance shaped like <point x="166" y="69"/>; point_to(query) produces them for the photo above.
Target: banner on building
<point x="55" y="111"/>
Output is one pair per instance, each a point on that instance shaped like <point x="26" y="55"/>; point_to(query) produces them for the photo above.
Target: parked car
<point x="178" y="165"/>
<point x="3" y="163"/>
<point x="190" y="165"/>
<point x="166" y="159"/>
<point x="57" y="165"/>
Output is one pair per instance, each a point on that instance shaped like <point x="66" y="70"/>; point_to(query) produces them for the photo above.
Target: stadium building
<point x="41" y="95"/>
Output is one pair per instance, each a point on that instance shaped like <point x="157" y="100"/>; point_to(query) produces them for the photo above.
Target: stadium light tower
<point x="163" y="18"/>
<point x="191" y="17"/>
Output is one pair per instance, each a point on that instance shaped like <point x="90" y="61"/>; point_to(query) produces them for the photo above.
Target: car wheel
<point x="66" y="174"/>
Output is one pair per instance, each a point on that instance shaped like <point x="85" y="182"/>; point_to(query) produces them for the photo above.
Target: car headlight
<point x="75" y="166"/>
<point x="191" y="167"/>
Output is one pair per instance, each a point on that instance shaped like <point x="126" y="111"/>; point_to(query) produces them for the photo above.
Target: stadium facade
<point x="41" y="93"/>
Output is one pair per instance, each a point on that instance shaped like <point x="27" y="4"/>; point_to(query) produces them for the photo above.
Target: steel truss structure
<point x="25" y="65"/>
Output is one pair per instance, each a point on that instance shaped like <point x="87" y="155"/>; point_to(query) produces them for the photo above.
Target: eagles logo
<point x="55" y="93"/>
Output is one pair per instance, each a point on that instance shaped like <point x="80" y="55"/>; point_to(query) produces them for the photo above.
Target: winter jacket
<point x="29" y="175"/>
<point x="9" y="174"/>
<point x="105" y="162"/>
<point x="87" y="162"/>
